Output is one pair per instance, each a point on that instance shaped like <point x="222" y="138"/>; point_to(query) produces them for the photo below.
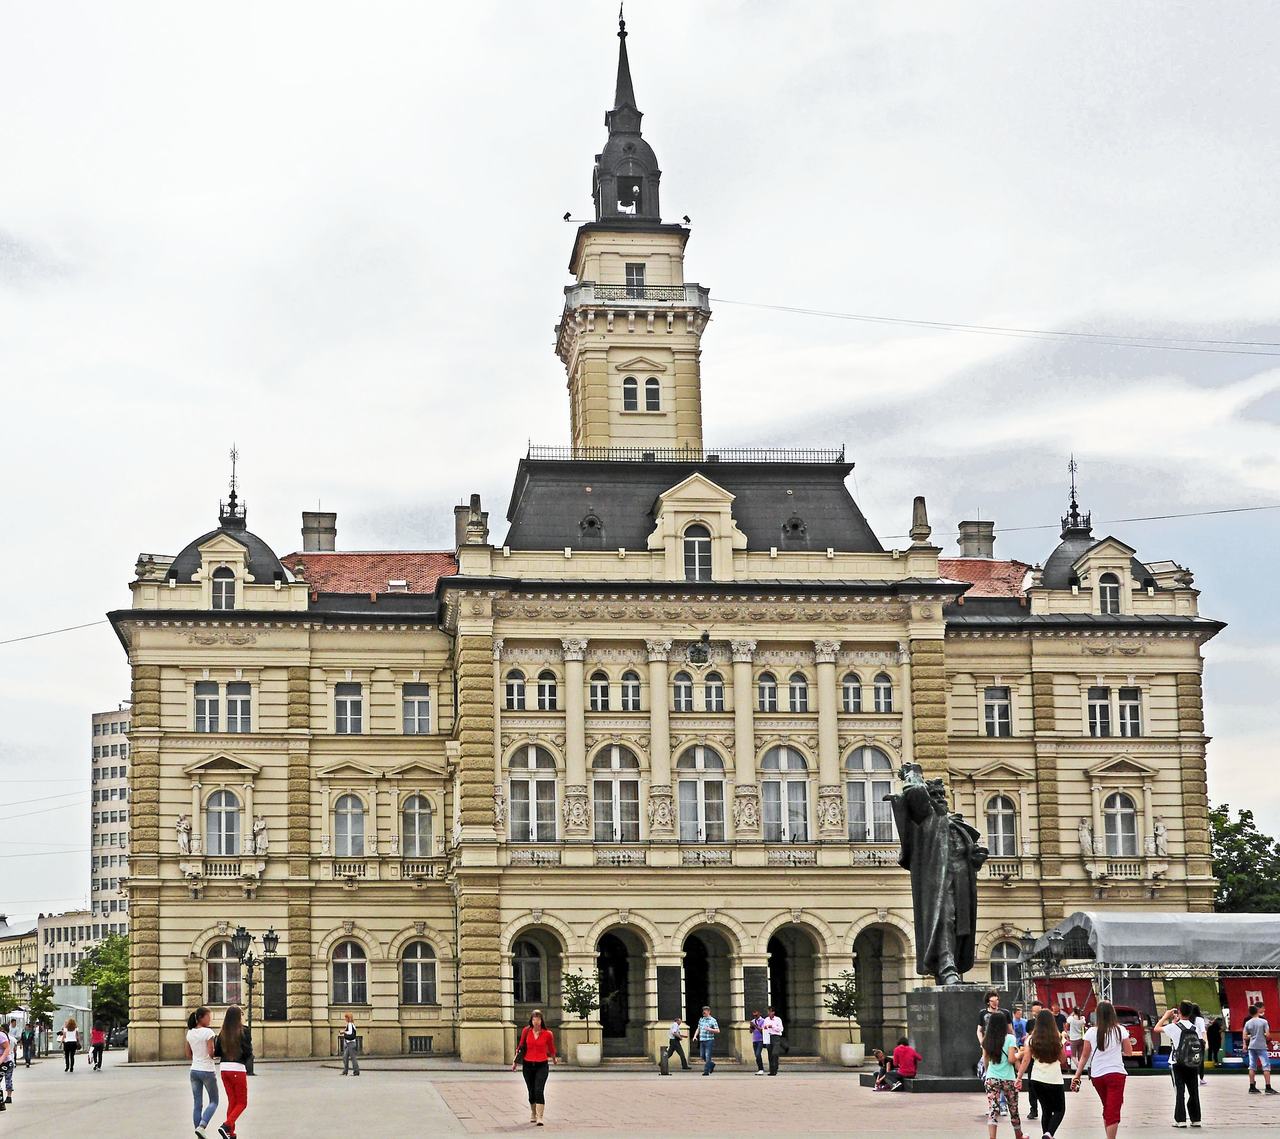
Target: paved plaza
<point x="394" y="1098"/>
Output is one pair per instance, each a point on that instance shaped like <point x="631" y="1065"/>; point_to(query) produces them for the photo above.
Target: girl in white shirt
<point x="204" y="1081"/>
<point x="1104" y="1045"/>
<point x="70" y="1037"/>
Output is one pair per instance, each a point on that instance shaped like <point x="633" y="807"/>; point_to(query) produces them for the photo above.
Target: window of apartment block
<point x="206" y="696"/>
<point x="417" y="709"/>
<point x="630" y="692"/>
<point x="1130" y="709"/>
<point x="348" y="704"/>
<point x="598" y="692"/>
<point x="1099" y="711"/>
<point x="997" y="711"/>
<point x="238" y="706"/>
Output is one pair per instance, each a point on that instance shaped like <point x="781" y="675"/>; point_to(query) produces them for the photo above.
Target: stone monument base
<point x="942" y="1026"/>
<point x="929" y="1083"/>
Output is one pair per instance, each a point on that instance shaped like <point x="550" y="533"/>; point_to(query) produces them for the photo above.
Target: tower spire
<point x="1073" y="519"/>
<point x="624" y="94"/>
<point x="625" y="181"/>
<point x="231" y="515"/>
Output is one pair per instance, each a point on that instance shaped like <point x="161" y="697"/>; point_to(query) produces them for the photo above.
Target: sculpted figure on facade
<point x="1086" y="839"/>
<point x="746" y="809"/>
<point x="660" y="811"/>
<point x="260" y="840"/>
<point x="830" y="808"/>
<point x="183" y="827"/>
<point x="577" y="810"/>
<point x="499" y="808"/>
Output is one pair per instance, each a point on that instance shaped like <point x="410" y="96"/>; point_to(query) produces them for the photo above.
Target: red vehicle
<point x="1137" y="1046"/>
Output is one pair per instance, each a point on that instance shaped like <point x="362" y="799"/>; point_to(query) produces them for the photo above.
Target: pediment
<point x="1000" y="771"/>
<point x="639" y="364"/>
<point x="222" y="543"/>
<point x="348" y="769"/>
<point x="221" y="763"/>
<point x="1106" y="549"/>
<point x="1122" y="765"/>
<point x="697" y="489"/>
<point x="416" y="768"/>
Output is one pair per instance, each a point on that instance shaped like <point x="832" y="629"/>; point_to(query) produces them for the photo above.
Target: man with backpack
<point x="1186" y="1053"/>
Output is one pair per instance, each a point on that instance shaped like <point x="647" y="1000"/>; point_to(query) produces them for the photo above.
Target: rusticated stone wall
<point x="475" y="729"/>
<point x="929" y="706"/>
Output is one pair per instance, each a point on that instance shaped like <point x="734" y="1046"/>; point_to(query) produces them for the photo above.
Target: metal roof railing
<point x="688" y="454"/>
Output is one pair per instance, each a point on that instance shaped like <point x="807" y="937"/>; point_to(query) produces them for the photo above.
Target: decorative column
<point x="197" y="817"/>
<point x="246" y="828"/>
<point x="661" y="809"/>
<point x="746" y="792"/>
<point x="908" y="713"/>
<point x="499" y="784"/>
<point x="371" y="839"/>
<point x="326" y="819"/>
<point x="577" y="810"/>
<point x="830" y="800"/>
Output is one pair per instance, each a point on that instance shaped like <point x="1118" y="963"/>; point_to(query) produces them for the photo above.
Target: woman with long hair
<point x="70" y="1037"/>
<point x="1000" y="1053"/>
<point x="535" y="1052"/>
<point x="235" y="1049"/>
<point x="204" y="1083"/>
<point x="1104" y="1045"/>
<point x="1044" y="1055"/>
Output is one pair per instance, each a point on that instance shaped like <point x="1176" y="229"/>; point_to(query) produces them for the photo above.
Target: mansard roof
<point x="261" y="561"/>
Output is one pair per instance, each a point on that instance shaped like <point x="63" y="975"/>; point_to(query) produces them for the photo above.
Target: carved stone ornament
<point x="419" y="927"/>
<point x="658" y="649"/>
<point x="711" y="916"/>
<point x="624" y="917"/>
<point x="661" y="811"/>
<point x="324" y="845"/>
<point x="1161" y="837"/>
<point x="575" y="648"/>
<point x="349" y="927"/>
<point x="742" y="650"/>
<point x="577" y="810"/>
<point x="222" y="637"/>
<point x="746" y="808"/>
<point x="260" y="839"/>
<point x="830" y="808"/>
<point x="499" y="809"/>
<point x="537" y="916"/>
<point x="825" y="651"/>
<point x="183" y="827"/>
<point x="223" y="926"/>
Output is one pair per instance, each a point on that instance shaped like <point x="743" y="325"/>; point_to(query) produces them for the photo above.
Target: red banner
<point x="1245" y="991"/>
<point x="1067" y="993"/>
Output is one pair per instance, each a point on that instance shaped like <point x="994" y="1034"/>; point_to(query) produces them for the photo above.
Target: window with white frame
<point x="630" y="394"/>
<point x="630" y="692"/>
<point x="682" y="692"/>
<point x="653" y="399"/>
<point x="415" y="700"/>
<point x="222" y="824"/>
<point x="713" y="692"/>
<point x="784" y="792"/>
<point x="766" y="693"/>
<point x="997" y="711"/>
<point x="635" y="280"/>
<point x="1006" y="971"/>
<point x="798" y="692"/>
<point x="697" y="553"/>
<point x="1002" y="827"/>
<point x="533" y="795"/>
<point x="547" y="689"/>
<point x="616" y="793"/>
<point x="239" y="706"/>
<point x="348" y="708"/>
<point x="223" y="972"/>
<point x="1109" y="593"/>
<point x="598" y="692"/>
<point x="1130" y="708"/>
<point x="514" y="685"/>
<point x="700" y="772"/>
<point x="851" y="692"/>
<point x="207" y="705"/>
<point x="1099" y="711"/>
<point x="526" y="972"/>
<point x="868" y="780"/>
<point x="348" y="827"/>
<point x="415" y="827"/>
<point x="350" y="974"/>
<point x="418" y="974"/>
<point x="223" y="591"/>
<point x="1120" y="825"/>
<point x="884" y="692"/>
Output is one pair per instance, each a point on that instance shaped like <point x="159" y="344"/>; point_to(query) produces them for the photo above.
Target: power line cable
<point x="41" y="799"/>
<point x="43" y="811"/>
<point x="51" y="632"/>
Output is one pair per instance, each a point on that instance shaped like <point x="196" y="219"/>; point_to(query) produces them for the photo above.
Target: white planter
<point x="588" y="1055"/>
<point x="850" y="1054"/>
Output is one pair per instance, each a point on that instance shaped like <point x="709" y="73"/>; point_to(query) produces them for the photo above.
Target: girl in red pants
<point x="235" y="1049"/>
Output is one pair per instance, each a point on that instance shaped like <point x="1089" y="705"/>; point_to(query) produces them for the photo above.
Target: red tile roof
<point x="371" y="572"/>
<point x="990" y="578"/>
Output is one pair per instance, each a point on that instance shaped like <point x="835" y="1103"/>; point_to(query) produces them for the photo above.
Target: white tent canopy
<point x="1143" y="937"/>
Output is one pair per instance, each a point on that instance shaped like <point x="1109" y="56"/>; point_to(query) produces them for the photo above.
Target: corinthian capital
<point x="826" y="651"/>
<point x="742" y="650"/>
<point x="575" y="648"/>
<point x="658" y="649"/>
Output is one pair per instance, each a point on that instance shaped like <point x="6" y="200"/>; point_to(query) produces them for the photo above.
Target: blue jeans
<point x="757" y="1046"/>
<point x="705" y="1047"/>
<point x="204" y="1084"/>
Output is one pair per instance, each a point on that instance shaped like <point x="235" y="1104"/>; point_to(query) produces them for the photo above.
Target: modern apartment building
<point x="109" y="826"/>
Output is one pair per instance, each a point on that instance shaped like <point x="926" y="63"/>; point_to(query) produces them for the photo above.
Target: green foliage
<point x="43" y="1006"/>
<point x="582" y="996"/>
<point x="106" y="968"/>
<point x="841" y="998"/>
<point x="1244" y="862"/>
<point x="10" y="998"/>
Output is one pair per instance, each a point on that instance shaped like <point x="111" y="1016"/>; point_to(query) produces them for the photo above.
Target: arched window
<point x="766" y="693"/>
<point x="348" y="827"/>
<point x="851" y="692"/>
<point x="682" y="692"/>
<point x="546" y="691"/>
<point x="1108" y="594"/>
<point x="616" y="786"/>
<point x="785" y="791"/>
<point x="224" y="975"/>
<point x="533" y="795"/>
<point x="652" y="395"/>
<point x="418" y="974"/>
<point x="415" y="827"/>
<point x="630" y="394"/>
<point x="222" y="825"/>
<point x="630" y="692"/>
<point x="884" y="692"/>
<point x="868" y="779"/>
<point x="697" y="553"/>
<point x="598" y="695"/>
<point x="798" y="692"/>
<point x="701" y="777"/>
<point x="1005" y="972"/>
<point x="1002" y="827"/>
<point x="713" y="692"/>
<point x="224" y="588"/>
<point x="515" y="691"/>
<point x="526" y="972"/>
<point x="350" y="974"/>
<point x="1120" y="823"/>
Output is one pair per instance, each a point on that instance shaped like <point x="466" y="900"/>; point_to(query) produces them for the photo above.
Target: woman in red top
<point x="536" y="1052"/>
<point x="97" y="1041"/>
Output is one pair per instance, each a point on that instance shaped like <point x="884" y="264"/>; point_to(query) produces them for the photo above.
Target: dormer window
<point x="1108" y="593"/>
<point x="697" y="553"/>
<point x="635" y="275"/>
<point x="630" y="394"/>
<point x="224" y="588"/>
<point x="652" y="395"/>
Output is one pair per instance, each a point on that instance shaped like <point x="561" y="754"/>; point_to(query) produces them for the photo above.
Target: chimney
<point x="977" y="539"/>
<point x="460" y="514"/>
<point x="319" y="531"/>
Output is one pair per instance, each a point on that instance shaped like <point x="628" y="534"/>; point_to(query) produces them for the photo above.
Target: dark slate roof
<point x="977" y="616"/>
<point x="551" y="499"/>
<point x="1076" y="542"/>
<point x="972" y="605"/>
<point x="263" y="565"/>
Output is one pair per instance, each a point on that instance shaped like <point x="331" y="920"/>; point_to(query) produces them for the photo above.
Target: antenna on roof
<point x="231" y="513"/>
<point x="1074" y="520"/>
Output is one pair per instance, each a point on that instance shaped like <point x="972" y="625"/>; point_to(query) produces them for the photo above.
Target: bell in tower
<point x="625" y="181"/>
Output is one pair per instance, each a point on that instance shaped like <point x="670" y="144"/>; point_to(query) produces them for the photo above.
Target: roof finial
<point x="624" y="94"/>
<point x="231" y="513"/>
<point x="622" y="24"/>
<point x="1074" y="520"/>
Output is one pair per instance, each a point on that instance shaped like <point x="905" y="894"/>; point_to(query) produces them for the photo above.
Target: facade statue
<point x="259" y="835"/>
<point x="1086" y="839"/>
<point x="1162" y="838"/>
<point x="183" y="827"/>
<point x="943" y="854"/>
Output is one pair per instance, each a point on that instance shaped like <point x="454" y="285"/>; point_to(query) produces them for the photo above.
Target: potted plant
<point x="841" y="999"/>
<point x="581" y="998"/>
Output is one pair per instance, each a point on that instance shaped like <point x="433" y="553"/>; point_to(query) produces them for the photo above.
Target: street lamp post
<point x="27" y="982"/>
<point x="241" y="944"/>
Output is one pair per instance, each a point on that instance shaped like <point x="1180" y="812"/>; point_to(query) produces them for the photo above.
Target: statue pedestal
<point x="942" y="1025"/>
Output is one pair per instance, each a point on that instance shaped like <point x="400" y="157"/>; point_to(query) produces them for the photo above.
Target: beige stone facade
<point x="650" y="732"/>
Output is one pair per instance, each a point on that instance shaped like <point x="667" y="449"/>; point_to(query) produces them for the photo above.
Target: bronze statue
<point x="943" y="854"/>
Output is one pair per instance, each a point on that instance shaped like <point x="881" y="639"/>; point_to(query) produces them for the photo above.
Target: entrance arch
<point x="707" y="967"/>
<point x="534" y="975"/>
<point x="793" y="985"/>
<point x="879" y="963"/>
<point x="622" y="962"/>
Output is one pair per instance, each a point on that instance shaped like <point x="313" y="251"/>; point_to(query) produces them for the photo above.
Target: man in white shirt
<point x="771" y="1034"/>
<point x="674" y="1047"/>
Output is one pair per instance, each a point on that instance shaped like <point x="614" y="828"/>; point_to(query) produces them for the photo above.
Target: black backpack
<point x="1189" y="1051"/>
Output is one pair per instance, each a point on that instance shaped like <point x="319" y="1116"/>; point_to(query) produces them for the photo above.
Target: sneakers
<point x="1203" y="1081"/>
<point x="1270" y="1091"/>
<point x="1195" y="1123"/>
<point x="759" y="1071"/>
<point x="224" y="1133"/>
<point x="1253" y="1089"/>
<point x="1180" y="1123"/>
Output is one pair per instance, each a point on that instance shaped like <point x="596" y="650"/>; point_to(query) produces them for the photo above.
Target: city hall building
<point x="648" y="728"/>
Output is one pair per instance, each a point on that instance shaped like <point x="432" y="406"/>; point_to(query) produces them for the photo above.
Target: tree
<point x="841" y="998"/>
<point x="9" y="1000"/>
<point x="1243" y="862"/>
<point x="43" y="1006"/>
<point x="106" y="968"/>
<point x="582" y="996"/>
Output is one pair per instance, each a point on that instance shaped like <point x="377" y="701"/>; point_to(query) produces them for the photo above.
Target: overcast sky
<point x="331" y="233"/>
